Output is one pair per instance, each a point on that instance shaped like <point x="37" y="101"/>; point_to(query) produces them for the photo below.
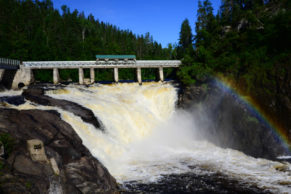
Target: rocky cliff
<point x="229" y="122"/>
<point x="69" y="167"/>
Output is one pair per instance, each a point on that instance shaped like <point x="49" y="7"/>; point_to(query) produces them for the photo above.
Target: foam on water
<point x="145" y="137"/>
<point x="10" y="93"/>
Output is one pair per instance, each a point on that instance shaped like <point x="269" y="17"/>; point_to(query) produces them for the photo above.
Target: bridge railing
<point x="102" y="64"/>
<point x="9" y="63"/>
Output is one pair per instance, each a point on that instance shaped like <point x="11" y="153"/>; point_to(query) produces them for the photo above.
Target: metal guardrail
<point x="9" y="63"/>
<point x="101" y="64"/>
<point x="159" y="63"/>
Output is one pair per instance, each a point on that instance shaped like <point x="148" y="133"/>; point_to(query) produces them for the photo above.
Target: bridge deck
<point x="101" y="64"/>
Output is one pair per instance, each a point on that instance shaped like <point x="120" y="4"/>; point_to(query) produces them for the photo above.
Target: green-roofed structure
<point x="115" y="57"/>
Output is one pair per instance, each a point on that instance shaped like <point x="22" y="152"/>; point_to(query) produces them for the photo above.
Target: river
<point x="149" y="145"/>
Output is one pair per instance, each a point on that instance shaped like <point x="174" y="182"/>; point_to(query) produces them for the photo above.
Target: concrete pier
<point x="161" y="73"/>
<point x="116" y="74"/>
<point x="1" y="73"/>
<point x="138" y="75"/>
<point x="56" y="76"/>
<point x="23" y="76"/>
<point x="81" y="76"/>
<point x="92" y="75"/>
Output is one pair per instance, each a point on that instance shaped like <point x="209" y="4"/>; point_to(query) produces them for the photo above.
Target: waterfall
<point x="145" y="137"/>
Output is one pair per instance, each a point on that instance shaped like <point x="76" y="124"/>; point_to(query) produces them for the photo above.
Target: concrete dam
<point x="14" y="73"/>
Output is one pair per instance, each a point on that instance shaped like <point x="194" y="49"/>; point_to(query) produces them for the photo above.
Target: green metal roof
<point x="115" y="57"/>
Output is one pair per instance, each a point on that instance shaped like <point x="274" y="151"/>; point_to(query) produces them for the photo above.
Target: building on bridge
<point x="20" y="73"/>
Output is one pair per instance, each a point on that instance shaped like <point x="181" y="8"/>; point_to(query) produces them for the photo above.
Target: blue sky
<point x="161" y="18"/>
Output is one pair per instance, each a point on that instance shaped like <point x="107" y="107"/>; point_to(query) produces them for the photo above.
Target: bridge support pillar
<point x="116" y="74"/>
<point x="1" y="73"/>
<point x="92" y="75"/>
<point x="81" y="76"/>
<point x="23" y="77"/>
<point x="161" y="73"/>
<point x="138" y="75"/>
<point x="56" y="76"/>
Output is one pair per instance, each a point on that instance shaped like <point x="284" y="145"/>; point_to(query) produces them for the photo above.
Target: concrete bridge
<point x="24" y="75"/>
<point x="8" y="69"/>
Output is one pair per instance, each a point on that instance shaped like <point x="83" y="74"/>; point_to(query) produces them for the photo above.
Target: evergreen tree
<point x="185" y="40"/>
<point x="34" y="30"/>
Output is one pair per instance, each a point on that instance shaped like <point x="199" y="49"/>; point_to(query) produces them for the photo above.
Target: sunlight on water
<point x="145" y="137"/>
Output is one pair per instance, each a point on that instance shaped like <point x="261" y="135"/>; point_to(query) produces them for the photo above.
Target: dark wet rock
<point x="36" y="95"/>
<point x="229" y="122"/>
<point x="2" y="88"/>
<point x="192" y="183"/>
<point x="80" y="172"/>
<point x="15" y="100"/>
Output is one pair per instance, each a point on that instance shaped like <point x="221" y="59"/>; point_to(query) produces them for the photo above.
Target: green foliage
<point x="185" y="74"/>
<point x="8" y="143"/>
<point x="127" y="74"/>
<point x="34" y="30"/>
<point x="70" y="74"/>
<point x="28" y="185"/>
<point x="186" y="38"/>
<point x="246" y="41"/>
<point x="43" y="75"/>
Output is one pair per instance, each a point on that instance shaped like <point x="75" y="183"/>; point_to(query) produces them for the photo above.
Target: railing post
<point x="92" y="75"/>
<point x="81" y="75"/>
<point x="116" y="74"/>
<point x="138" y="75"/>
<point x="56" y="76"/>
<point x="161" y="73"/>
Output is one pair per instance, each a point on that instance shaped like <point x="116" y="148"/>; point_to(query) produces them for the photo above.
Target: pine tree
<point x="185" y="40"/>
<point x="205" y="25"/>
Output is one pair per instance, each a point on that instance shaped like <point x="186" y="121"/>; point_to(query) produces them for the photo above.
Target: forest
<point x="32" y="30"/>
<point x="246" y="41"/>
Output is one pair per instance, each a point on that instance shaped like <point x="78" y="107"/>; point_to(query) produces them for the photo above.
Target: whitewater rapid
<point x="145" y="137"/>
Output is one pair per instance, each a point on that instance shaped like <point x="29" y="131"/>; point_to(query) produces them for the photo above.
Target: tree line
<point x="247" y="41"/>
<point x="34" y="30"/>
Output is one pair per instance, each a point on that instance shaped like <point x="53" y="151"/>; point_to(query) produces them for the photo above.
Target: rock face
<point x="37" y="95"/>
<point x="79" y="171"/>
<point x="228" y="122"/>
<point x="7" y="78"/>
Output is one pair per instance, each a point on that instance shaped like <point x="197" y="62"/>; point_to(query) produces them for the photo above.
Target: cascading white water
<point x="146" y="137"/>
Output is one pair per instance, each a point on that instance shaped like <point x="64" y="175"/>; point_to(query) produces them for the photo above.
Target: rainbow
<point x="278" y="132"/>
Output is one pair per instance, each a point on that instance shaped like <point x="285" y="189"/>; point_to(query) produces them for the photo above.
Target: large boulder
<point x="79" y="171"/>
